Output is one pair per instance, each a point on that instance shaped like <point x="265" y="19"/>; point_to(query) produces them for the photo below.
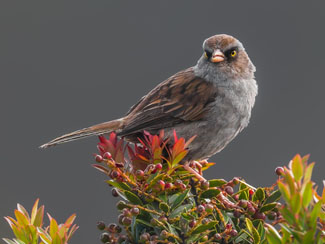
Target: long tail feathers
<point x="90" y="131"/>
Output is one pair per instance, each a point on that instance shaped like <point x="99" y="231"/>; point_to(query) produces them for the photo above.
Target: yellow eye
<point x="233" y="53"/>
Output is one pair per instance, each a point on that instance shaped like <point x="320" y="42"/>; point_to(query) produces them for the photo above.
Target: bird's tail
<point x="99" y="129"/>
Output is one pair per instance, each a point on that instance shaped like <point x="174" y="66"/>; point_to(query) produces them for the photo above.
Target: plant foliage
<point x="164" y="203"/>
<point x="29" y="228"/>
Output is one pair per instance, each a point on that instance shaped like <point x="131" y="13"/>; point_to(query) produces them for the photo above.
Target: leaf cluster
<point x="29" y="229"/>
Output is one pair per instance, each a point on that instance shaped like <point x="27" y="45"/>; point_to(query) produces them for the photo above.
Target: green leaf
<point x="164" y="207"/>
<point x="21" y="218"/>
<point x="297" y="167"/>
<point x="315" y="213"/>
<point x="178" y="201"/>
<point x="259" y="195"/>
<point x="288" y="216"/>
<point x="144" y="222"/>
<point x="284" y="191"/>
<point x="38" y="221"/>
<point x="177" y="211"/>
<point x="249" y="225"/>
<point x="307" y="194"/>
<point x="261" y="230"/>
<point x="154" y="180"/>
<point x="243" y="195"/>
<point x="275" y="196"/>
<point x="272" y="235"/>
<point x="133" y="198"/>
<point x="23" y="210"/>
<point x="8" y="241"/>
<point x="179" y="157"/>
<point x="289" y="180"/>
<point x="217" y="182"/>
<point x="267" y="207"/>
<point x="44" y="235"/>
<point x="308" y="172"/>
<point x="296" y="203"/>
<point x="253" y="231"/>
<point x="210" y="193"/>
<point x="202" y="228"/>
<point x="309" y="237"/>
<point x="34" y="211"/>
<point x="119" y="185"/>
<point x="53" y="227"/>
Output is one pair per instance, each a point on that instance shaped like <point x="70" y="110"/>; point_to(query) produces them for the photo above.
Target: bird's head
<point x="226" y="55"/>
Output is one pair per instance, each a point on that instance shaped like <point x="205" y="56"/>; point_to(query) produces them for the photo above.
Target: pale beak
<point x="217" y="56"/>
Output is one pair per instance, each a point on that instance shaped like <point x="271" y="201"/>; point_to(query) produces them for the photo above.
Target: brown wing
<point x="183" y="97"/>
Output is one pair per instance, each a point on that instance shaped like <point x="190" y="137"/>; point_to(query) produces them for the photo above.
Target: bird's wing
<point x="183" y="97"/>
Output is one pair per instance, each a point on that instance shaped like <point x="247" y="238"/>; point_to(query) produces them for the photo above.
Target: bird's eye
<point x="233" y="53"/>
<point x="207" y="54"/>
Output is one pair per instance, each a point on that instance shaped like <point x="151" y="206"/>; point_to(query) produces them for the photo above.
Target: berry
<point x="145" y="237"/>
<point x="120" y="205"/>
<point x="243" y="203"/>
<point x="182" y="186"/>
<point x="192" y="223"/>
<point x="204" y="238"/>
<point x="120" y="217"/>
<point x="229" y="190"/>
<point x="164" y="234"/>
<point x="158" y="166"/>
<point x="228" y="226"/>
<point x="139" y="173"/>
<point x="111" y="227"/>
<point x="115" y="192"/>
<point x="233" y="232"/>
<point x="237" y="214"/>
<point x="107" y="155"/>
<point x="209" y="208"/>
<point x="200" y="208"/>
<point x="99" y="158"/>
<point x="178" y="182"/>
<point x="205" y="185"/>
<point x="217" y="236"/>
<point x="105" y="237"/>
<point x="168" y="186"/>
<point x="251" y="192"/>
<point x="251" y="210"/>
<point x="162" y="219"/>
<point x="126" y="221"/>
<point x="162" y="184"/>
<point x="279" y="171"/>
<point x="126" y="212"/>
<point x="259" y="215"/>
<point x="135" y="211"/>
<point x="115" y="174"/>
<point x="154" y="238"/>
<point x="101" y="225"/>
<point x="235" y="180"/>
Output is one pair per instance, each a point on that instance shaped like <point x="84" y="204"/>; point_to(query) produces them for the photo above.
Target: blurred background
<point x="65" y="65"/>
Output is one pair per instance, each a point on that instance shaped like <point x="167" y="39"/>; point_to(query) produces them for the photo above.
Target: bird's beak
<point x="217" y="56"/>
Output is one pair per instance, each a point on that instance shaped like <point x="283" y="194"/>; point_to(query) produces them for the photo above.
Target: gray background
<point x="65" y="65"/>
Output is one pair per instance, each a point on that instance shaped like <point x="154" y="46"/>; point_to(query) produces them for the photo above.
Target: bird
<point x="211" y="100"/>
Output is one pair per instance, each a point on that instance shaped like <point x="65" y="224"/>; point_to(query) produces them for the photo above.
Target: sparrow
<point x="212" y="100"/>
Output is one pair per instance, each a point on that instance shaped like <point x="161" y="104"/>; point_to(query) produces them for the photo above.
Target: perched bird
<point x="212" y="100"/>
